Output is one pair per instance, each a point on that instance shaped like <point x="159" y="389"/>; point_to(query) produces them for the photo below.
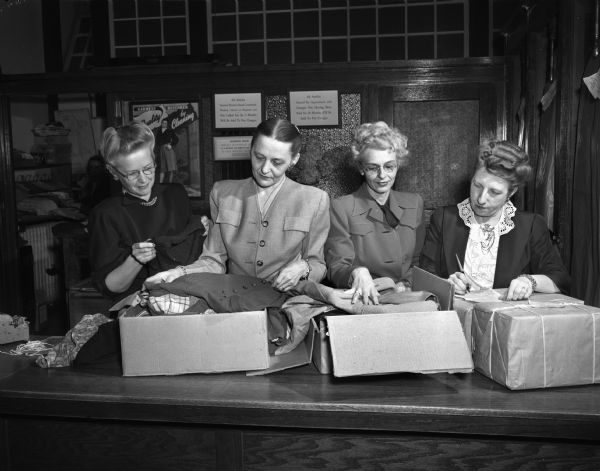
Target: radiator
<point x="45" y="260"/>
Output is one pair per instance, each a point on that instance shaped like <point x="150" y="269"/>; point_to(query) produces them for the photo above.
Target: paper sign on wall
<point x="314" y="108"/>
<point x="232" y="147"/>
<point x="237" y="110"/>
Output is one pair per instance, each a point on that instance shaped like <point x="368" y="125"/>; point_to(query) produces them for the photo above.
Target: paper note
<point x="481" y="296"/>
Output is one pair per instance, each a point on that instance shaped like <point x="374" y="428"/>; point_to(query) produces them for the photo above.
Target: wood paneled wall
<point x="414" y="80"/>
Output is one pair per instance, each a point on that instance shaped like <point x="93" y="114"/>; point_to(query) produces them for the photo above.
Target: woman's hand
<point x="164" y="276"/>
<point x="520" y="288"/>
<point x="363" y="287"/>
<point x="143" y="252"/>
<point x="462" y="283"/>
<point x="289" y="276"/>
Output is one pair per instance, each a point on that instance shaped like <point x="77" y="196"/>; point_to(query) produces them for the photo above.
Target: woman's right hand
<point x="164" y="276"/>
<point x="461" y="282"/>
<point x="363" y="287"/>
<point x="143" y="252"/>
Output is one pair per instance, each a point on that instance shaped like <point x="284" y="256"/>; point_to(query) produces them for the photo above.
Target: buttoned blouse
<point x="294" y="227"/>
<point x="360" y="236"/>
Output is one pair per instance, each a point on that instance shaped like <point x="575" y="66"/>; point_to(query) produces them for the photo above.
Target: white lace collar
<point x="505" y="224"/>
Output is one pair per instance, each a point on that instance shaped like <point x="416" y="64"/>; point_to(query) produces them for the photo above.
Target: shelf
<point x="35" y="219"/>
<point x="39" y="166"/>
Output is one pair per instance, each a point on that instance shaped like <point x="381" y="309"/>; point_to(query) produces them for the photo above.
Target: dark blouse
<point x="120" y="221"/>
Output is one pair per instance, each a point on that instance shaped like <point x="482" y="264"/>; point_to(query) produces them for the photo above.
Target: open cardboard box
<point x="202" y="343"/>
<point x="416" y="342"/>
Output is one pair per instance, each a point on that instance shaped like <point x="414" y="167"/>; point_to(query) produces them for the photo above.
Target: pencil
<point x="460" y="267"/>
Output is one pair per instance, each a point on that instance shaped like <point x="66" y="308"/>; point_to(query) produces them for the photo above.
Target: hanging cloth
<point x="585" y="260"/>
<point x="543" y="203"/>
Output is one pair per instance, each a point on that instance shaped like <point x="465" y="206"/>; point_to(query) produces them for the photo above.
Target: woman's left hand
<point x="289" y="276"/>
<point x="520" y="288"/>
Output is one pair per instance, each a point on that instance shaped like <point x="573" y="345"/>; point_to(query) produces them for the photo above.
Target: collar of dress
<point x="129" y="199"/>
<point x="505" y="224"/>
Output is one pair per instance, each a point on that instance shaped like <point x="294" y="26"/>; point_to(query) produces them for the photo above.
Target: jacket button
<point x="260" y="263"/>
<point x="262" y="243"/>
<point x="265" y="223"/>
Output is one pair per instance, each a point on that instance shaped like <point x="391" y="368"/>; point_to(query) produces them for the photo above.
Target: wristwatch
<point x="531" y="280"/>
<point x="307" y="273"/>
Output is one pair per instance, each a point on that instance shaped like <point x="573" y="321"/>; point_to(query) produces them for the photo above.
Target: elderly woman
<point x="484" y="242"/>
<point x="375" y="231"/>
<point x="123" y="228"/>
<point x="266" y="226"/>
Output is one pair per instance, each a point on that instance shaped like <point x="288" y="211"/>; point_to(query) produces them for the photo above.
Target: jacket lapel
<point x="396" y="206"/>
<point x="510" y="244"/>
<point x="456" y="235"/>
<point x="365" y="205"/>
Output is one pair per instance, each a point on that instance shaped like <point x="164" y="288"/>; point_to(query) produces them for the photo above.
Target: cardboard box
<point x="202" y="343"/>
<point x="415" y="342"/>
<point x="464" y="311"/>
<point x="422" y="280"/>
<point x="323" y="356"/>
<point x="194" y="343"/>
<point x="13" y="329"/>
<point x="301" y="355"/>
<point x="537" y="345"/>
<point x="465" y="308"/>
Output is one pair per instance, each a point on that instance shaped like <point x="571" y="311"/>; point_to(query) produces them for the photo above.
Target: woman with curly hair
<point x="375" y="231"/>
<point x="484" y="242"/>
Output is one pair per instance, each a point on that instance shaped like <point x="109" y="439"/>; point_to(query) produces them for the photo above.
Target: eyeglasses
<point x="133" y="176"/>
<point x="373" y="170"/>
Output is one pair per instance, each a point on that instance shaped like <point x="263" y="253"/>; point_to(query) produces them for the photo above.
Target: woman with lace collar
<point x="484" y="242"/>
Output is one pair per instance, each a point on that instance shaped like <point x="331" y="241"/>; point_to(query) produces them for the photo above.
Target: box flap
<point x="195" y="343"/>
<point x="415" y="342"/>
<point x="301" y="355"/>
<point x="127" y="301"/>
<point x="422" y="280"/>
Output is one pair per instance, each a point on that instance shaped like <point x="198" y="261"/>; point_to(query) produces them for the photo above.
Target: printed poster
<point x="177" y="148"/>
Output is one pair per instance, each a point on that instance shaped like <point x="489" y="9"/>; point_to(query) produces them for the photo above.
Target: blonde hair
<point x="124" y="140"/>
<point x="379" y="136"/>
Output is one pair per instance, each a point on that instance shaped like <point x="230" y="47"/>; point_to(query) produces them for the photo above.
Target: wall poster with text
<point x="177" y="148"/>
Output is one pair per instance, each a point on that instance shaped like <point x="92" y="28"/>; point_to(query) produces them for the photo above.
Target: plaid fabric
<point x="170" y="303"/>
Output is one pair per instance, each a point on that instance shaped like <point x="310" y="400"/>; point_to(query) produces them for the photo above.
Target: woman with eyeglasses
<point x="123" y="228"/>
<point x="485" y="242"/>
<point x="266" y="226"/>
<point x="375" y="231"/>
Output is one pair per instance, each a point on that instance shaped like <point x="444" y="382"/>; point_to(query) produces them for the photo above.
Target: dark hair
<point x="124" y="140"/>
<point x="505" y="160"/>
<point x="281" y="130"/>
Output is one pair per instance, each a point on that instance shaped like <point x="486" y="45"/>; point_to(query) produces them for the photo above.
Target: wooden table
<point x="96" y="419"/>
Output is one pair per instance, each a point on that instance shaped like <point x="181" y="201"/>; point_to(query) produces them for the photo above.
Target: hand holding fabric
<point x="164" y="277"/>
<point x="289" y="276"/>
<point x="363" y="287"/>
